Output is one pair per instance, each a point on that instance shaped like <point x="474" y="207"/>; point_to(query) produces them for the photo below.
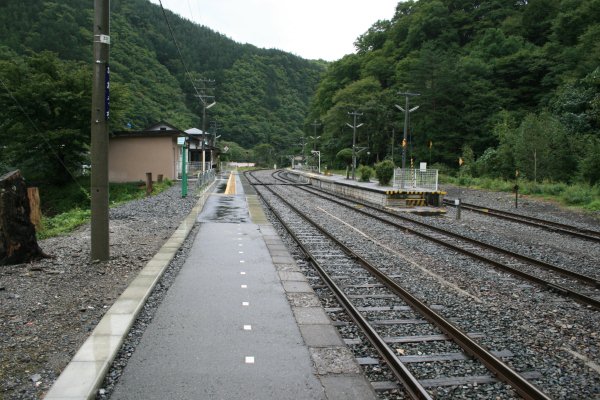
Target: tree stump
<point x="18" y="243"/>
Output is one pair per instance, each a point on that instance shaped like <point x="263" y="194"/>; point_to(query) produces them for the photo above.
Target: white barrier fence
<point x="192" y="167"/>
<point x="407" y="178"/>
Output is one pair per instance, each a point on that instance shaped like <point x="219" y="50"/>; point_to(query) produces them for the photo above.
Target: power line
<point x="187" y="71"/>
<point x="43" y="135"/>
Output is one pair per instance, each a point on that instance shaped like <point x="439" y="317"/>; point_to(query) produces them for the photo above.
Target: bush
<point x="593" y="206"/>
<point x="384" y="172"/>
<point x="365" y="173"/>
<point x="577" y="195"/>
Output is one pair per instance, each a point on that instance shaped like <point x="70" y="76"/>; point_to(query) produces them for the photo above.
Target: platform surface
<point x="228" y="327"/>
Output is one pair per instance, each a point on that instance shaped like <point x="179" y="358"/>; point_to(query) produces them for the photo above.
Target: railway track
<point x="572" y="284"/>
<point x="581" y="233"/>
<point x="390" y="316"/>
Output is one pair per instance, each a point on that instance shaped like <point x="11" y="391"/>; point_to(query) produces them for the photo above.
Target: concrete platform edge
<point x="335" y="366"/>
<point x="84" y="374"/>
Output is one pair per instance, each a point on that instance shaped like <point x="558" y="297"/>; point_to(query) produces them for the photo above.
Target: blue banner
<point x="107" y="93"/>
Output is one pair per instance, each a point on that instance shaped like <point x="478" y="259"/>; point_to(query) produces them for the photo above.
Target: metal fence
<point x="426" y="179"/>
<point x="205" y="177"/>
<point x="304" y="167"/>
<point x="192" y="168"/>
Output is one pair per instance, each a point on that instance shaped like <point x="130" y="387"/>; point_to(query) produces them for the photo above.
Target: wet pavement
<point x="225" y="329"/>
<point x="239" y="322"/>
<point x="225" y="209"/>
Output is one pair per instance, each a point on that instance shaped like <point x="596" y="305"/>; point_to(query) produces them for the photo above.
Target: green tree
<point x="264" y="155"/>
<point x="542" y="150"/>
<point x="589" y="167"/>
<point x="45" y="121"/>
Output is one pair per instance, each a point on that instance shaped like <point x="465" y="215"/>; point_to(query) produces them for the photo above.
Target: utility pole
<point x="99" y="132"/>
<point x="214" y="125"/>
<point x="393" y="142"/>
<point x="315" y="126"/>
<point x="406" y="112"/>
<point x="205" y="106"/>
<point x="354" y="127"/>
<point x="303" y="147"/>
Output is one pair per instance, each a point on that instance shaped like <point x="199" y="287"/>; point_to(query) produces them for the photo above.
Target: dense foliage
<point x="45" y="90"/>
<point x="514" y="84"/>
<point x="505" y="85"/>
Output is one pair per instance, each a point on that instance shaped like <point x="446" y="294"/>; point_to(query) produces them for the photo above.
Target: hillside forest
<point x="46" y="73"/>
<point x="502" y="85"/>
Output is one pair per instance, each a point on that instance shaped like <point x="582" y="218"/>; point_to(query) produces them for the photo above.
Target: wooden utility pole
<point x="99" y="131"/>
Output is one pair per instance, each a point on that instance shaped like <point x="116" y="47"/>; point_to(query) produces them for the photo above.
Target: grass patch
<point x="63" y="223"/>
<point x="67" y="207"/>
<point x="580" y="196"/>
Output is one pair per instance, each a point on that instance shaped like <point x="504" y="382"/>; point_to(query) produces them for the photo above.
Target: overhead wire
<point x="187" y="71"/>
<point x="44" y="137"/>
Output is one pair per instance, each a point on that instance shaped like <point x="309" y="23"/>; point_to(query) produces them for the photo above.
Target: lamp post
<point x="314" y="139"/>
<point x="406" y="112"/>
<point x="318" y="153"/>
<point x="354" y="127"/>
<point x="315" y="126"/>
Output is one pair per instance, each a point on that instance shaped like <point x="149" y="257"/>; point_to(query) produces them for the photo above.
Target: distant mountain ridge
<point x="262" y="95"/>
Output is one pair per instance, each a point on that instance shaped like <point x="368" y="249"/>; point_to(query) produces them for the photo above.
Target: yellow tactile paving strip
<point x="230" y="189"/>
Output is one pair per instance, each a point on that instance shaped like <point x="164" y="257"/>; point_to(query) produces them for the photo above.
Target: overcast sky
<point x="311" y="29"/>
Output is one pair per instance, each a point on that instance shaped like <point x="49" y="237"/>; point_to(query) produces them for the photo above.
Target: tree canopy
<point x="45" y="67"/>
<point x="473" y="64"/>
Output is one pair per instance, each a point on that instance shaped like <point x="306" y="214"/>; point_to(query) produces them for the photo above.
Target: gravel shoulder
<point x="49" y="307"/>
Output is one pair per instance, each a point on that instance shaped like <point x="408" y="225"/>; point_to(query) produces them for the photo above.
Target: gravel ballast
<point x="546" y="333"/>
<point x="49" y="307"/>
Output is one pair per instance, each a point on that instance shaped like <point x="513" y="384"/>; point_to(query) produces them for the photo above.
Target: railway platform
<point x="239" y="322"/>
<point x="413" y="200"/>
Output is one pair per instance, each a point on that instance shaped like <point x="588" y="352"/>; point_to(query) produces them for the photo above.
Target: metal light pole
<point x="406" y="112"/>
<point x="354" y="127"/>
<point x="315" y="125"/>
<point x="99" y="132"/>
<point x="314" y="139"/>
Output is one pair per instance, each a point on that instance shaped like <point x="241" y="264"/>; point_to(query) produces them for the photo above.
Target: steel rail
<point x="552" y="286"/>
<point x="409" y="381"/>
<point x="583" y="278"/>
<point x="552" y="226"/>
<point x="505" y="373"/>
